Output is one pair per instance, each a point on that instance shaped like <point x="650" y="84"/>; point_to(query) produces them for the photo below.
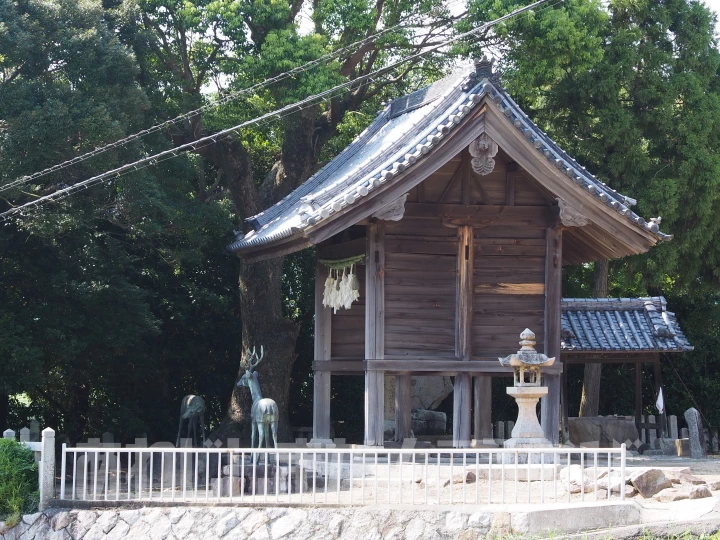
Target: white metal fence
<point x="347" y="476"/>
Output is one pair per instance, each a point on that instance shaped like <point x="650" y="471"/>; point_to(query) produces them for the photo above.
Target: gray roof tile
<point x="620" y="324"/>
<point x="402" y="133"/>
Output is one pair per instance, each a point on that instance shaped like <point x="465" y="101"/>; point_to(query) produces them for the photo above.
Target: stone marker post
<point x="500" y="430"/>
<point x="34" y="430"/>
<point x="47" y="468"/>
<point x="695" y="429"/>
<point x="8" y="434"/>
<point x="672" y="420"/>
<point x="25" y="434"/>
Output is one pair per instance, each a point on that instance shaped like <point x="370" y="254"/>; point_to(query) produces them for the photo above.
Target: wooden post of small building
<point x="463" y="343"/>
<point x="662" y="418"/>
<point x="375" y="334"/>
<point x="638" y="396"/>
<point x="550" y="404"/>
<point x="403" y="405"/>
<point x="321" y="378"/>
<point x="482" y="406"/>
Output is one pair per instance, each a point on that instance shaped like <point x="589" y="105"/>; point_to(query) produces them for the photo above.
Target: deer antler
<point x="248" y="362"/>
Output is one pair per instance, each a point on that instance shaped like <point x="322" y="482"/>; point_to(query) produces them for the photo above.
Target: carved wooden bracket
<point x="393" y="211"/>
<point x="483" y="150"/>
<point x="570" y="217"/>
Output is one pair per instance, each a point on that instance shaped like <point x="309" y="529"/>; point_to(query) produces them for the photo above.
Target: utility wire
<point x="288" y="109"/>
<point x="190" y="114"/>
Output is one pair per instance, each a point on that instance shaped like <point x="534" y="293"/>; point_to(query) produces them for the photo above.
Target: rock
<point x="686" y="478"/>
<point x="650" y="482"/>
<point x="695" y="429"/>
<point x="699" y="492"/>
<point x="578" y="478"/>
<point x="426" y="422"/>
<point x="607" y="432"/>
<point x="671" y="495"/>
<point x="429" y="392"/>
<point x="674" y="474"/>
<point x="458" y="477"/>
<point x="228" y="486"/>
<point x="714" y="486"/>
<point x="666" y="446"/>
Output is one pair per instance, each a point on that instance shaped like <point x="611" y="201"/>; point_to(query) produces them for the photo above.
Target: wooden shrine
<point x="462" y="213"/>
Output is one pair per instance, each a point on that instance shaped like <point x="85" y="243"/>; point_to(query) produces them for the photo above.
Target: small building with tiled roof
<point x="459" y="213"/>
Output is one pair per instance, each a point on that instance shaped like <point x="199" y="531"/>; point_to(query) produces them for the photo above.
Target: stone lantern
<point x="527" y="364"/>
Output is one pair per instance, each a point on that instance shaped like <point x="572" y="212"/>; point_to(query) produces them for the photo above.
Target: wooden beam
<point x="447" y="367"/>
<point x="484" y="195"/>
<point x="482" y="407"/>
<point x="321" y="378"/>
<point x="540" y="216"/>
<point x="463" y="337"/>
<point x="467" y="175"/>
<point x="550" y="404"/>
<point x="456" y="177"/>
<point x="510" y="185"/>
<point x="342" y="250"/>
<point x="403" y="404"/>
<point x="375" y="333"/>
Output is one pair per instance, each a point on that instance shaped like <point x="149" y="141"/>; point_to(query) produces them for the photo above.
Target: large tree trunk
<point x="263" y="325"/>
<point x="589" y="403"/>
<point x="260" y="283"/>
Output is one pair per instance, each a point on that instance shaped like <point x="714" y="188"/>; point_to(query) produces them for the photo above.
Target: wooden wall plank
<point x="510" y="288"/>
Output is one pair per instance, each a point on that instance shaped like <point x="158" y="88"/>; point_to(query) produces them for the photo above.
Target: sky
<point x="715" y="6"/>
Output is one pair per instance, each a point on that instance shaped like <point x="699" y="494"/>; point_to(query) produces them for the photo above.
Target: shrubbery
<point x="19" y="490"/>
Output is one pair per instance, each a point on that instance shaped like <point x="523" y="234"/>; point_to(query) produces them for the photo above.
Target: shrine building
<point x="459" y="213"/>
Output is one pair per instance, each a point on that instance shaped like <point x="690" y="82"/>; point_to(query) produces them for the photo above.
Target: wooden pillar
<point x="463" y="337"/>
<point x="375" y="334"/>
<point x="638" y="395"/>
<point x="550" y="404"/>
<point x="564" y="422"/>
<point x="662" y="418"/>
<point x="482" y="406"/>
<point x="403" y="405"/>
<point x="321" y="379"/>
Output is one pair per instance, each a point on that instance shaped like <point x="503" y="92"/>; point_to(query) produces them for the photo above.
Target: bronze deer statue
<point x="264" y="413"/>
<point x="192" y="409"/>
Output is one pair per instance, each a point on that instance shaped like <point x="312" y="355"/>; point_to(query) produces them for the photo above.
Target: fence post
<point x="47" y="467"/>
<point x="25" y="435"/>
<point x="9" y="434"/>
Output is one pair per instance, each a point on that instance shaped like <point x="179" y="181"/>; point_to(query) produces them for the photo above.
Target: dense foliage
<point x="19" y="490"/>
<point x="120" y="300"/>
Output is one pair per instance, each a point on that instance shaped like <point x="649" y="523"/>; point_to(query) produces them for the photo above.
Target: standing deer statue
<point x="192" y="409"/>
<point x="264" y="412"/>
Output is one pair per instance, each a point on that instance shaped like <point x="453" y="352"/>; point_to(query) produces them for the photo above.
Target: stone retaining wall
<point x="207" y="523"/>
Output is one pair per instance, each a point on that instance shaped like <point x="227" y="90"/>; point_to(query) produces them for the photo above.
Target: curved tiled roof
<point x="402" y="134"/>
<point x="620" y="324"/>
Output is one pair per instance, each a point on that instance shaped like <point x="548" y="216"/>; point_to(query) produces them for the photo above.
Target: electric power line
<point x="190" y="114"/>
<point x="279" y="113"/>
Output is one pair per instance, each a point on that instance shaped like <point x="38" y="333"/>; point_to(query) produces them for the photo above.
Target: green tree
<point x="116" y="304"/>
<point x="185" y="46"/>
